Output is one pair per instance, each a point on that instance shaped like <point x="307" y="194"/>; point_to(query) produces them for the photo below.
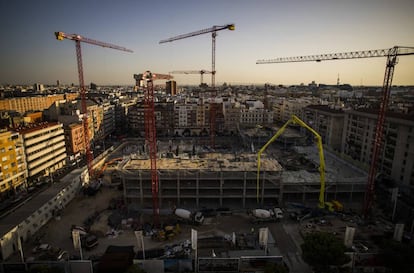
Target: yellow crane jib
<point x="295" y="120"/>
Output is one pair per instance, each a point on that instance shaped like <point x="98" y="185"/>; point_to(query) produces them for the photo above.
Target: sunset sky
<point x="264" y="30"/>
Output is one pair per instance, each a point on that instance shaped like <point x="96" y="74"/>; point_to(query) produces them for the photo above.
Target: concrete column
<point x="123" y="183"/>
<point x="263" y="187"/>
<point x="159" y="192"/>
<point x="178" y="188"/>
<point x="280" y="191"/>
<point x="197" y="189"/>
<point x="352" y="191"/>
<point x="221" y="188"/>
<point x="304" y="194"/>
<point x="141" y="190"/>
<point x="244" y="189"/>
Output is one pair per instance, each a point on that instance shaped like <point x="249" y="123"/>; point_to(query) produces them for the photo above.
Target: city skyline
<point x="264" y="30"/>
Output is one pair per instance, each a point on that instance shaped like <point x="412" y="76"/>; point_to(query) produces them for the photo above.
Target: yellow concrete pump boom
<point x="295" y="120"/>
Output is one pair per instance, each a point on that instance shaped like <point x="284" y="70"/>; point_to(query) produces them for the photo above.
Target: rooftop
<point x="207" y="161"/>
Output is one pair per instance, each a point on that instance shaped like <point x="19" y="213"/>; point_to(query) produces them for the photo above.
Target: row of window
<point x="49" y="132"/>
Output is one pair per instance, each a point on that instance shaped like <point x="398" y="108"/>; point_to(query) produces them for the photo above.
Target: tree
<point x="397" y="256"/>
<point x="322" y="250"/>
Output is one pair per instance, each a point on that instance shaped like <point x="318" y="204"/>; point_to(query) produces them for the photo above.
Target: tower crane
<point x="145" y="80"/>
<point x="201" y="72"/>
<point x="392" y="55"/>
<point x="213" y="30"/>
<point x="78" y="39"/>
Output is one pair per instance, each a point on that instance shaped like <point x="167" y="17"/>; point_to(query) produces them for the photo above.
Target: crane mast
<point x="146" y="79"/>
<point x="78" y="39"/>
<point x="392" y="55"/>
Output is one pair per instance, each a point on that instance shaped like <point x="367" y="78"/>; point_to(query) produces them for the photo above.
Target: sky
<point x="29" y="52"/>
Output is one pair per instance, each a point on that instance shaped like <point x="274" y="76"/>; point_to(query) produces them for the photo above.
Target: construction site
<point x="194" y="177"/>
<point x="224" y="187"/>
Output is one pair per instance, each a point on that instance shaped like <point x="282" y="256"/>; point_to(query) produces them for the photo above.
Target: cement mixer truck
<point x="189" y="217"/>
<point x="267" y="215"/>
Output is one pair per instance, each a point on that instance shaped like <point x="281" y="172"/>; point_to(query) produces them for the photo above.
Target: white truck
<point x="188" y="216"/>
<point x="267" y="215"/>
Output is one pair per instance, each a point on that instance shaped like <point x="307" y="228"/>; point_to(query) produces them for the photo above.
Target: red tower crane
<point x="392" y="55"/>
<point x="78" y="39"/>
<point x="145" y="80"/>
<point x="213" y="30"/>
<point x="201" y="72"/>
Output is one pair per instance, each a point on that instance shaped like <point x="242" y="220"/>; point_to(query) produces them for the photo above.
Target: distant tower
<point x="337" y="81"/>
<point x="38" y="87"/>
<point x="171" y="88"/>
<point x="58" y="83"/>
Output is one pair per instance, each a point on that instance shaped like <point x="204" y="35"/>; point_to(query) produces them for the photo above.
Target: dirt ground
<point x="57" y="232"/>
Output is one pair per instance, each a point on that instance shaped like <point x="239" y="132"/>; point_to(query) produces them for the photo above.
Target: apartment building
<point x="328" y="122"/>
<point x="164" y="119"/>
<point x="185" y="115"/>
<point x="284" y="108"/>
<point x="34" y="103"/>
<point x="45" y="149"/>
<point x="69" y="112"/>
<point x="171" y="88"/>
<point x="13" y="171"/>
<point x="218" y="117"/>
<point x="136" y="120"/>
<point x="397" y="157"/>
<point x="108" y="118"/>
<point x="193" y="117"/>
<point x="231" y="117"/>
<point x="75" y="139"/>
<point x="253" y="117"/>
<point x="95" y="121"/>
<point x="121" y="114"/>
<point x="203" y="115"/>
